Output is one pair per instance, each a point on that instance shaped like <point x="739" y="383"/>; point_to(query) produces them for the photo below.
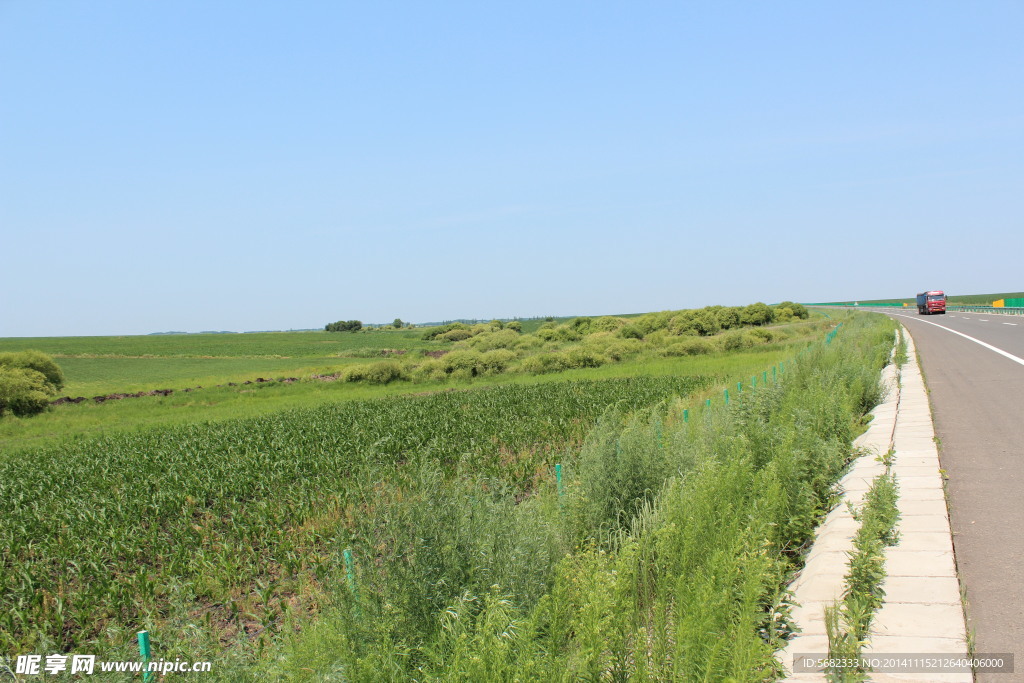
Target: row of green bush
<point x="498" y="351"/>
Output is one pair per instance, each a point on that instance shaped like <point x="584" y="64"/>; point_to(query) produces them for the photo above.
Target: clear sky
<point x="272" y="165"/>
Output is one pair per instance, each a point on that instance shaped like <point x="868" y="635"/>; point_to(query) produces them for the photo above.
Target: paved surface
<point x="977" y="399"/>
<point x="922" y="612"/>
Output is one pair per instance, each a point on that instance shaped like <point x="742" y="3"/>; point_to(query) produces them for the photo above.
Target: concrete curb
<point x="922" y="613"/>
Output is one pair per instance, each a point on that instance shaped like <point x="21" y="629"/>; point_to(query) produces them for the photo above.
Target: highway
<point x="976" y="388"/>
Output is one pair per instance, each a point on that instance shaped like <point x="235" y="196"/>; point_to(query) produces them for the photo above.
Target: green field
<point x="249" y="345"/>
<point x="415" y="528"/>
<point x="97" y="366"/>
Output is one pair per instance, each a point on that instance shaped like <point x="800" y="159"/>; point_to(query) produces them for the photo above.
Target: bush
<point x="382" y="372"/>
<point x="728" y="318"/>
<point x="580" y="324"/>
<point x="705" y="323"/>
<point x="559" y="333"/>
<point x="503" y="339"/>
<point x="430" y="370"/>
<point x="798" y="310"/>
<point x="606" y="323"/>
<point x="756" y="314"/>
<point x="433" y="332"/>
<point x="38" y="361"/>
<point x="468" y="363"/>
<point x="783" y="314"/>
<point x="514" y="325"/>
<point x="623" y="348"/>
<point x="454" y="335"/>
<point x="23" y="391"/>
<point x="682" y="323"/>
<point x="495" y="362"/>
<point x="735" y="340"/>
<point x="546" y="362"/>
<point x="689" y="347"/>
<point x="584" y="358"/>
<point x="631" y="332"/>
<point x="344" y="326"/>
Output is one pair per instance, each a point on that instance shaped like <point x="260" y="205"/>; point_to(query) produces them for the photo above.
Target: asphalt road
<point x="977" y="397"/>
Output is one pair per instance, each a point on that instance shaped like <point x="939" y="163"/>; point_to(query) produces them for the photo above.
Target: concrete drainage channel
<point x="918" y="633"/>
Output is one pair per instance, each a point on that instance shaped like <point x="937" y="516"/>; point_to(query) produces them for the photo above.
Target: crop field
<point x="590" y="508"/>
<point x="120" y="530"/>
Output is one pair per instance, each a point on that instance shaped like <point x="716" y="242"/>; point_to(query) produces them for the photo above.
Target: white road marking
<point x="1009" y="323"/>
<point x="1012" y="357"/>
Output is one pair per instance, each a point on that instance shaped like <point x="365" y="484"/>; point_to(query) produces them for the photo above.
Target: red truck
<point x="931" y="302"/>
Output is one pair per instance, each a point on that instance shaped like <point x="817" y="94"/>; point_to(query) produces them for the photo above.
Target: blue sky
<point x="239" y="166"/>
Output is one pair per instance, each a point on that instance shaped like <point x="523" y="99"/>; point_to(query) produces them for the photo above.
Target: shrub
<point x="429" y="370"/>
<point x="682" y="323"/>
<point x="503" y="339"/>
<point x="735" y="340"/>
<point x="584" y="358"/>
<point x="514" y="325"/>
<point x="606" y="323"/>
<point x="546" y="362"/>
<point x="657" y="338"/>
<point x="798" y="310"/>
<point x="434" y="332"/>
<point x="461" y="360"/>
<point x="623" y="348"/>
<point x="761" y="335"/>
<point x="689" y="347"/>
<point x="756" y="314"/>
<point x="381" y="372"/>
<point x="560" y="333"/>
<point x="581" y="324"/>
<point x="783" y="314"/>
<point x="344" y="326"/>
<point x="38" y="361"/>
<point x="23" y="391"/>
<point x="631" y="331"/>
<point x="454" y="335"/>
<point x="705" y="323"/>
<point x="495" y="362"/>
<point x="728" y="318"/>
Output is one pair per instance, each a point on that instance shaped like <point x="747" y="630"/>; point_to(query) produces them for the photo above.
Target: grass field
<point x="249" y="345"/>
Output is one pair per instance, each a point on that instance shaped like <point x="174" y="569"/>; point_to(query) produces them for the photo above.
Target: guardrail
<point x="994" y="310"/>
<point x="997" y="310"/>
